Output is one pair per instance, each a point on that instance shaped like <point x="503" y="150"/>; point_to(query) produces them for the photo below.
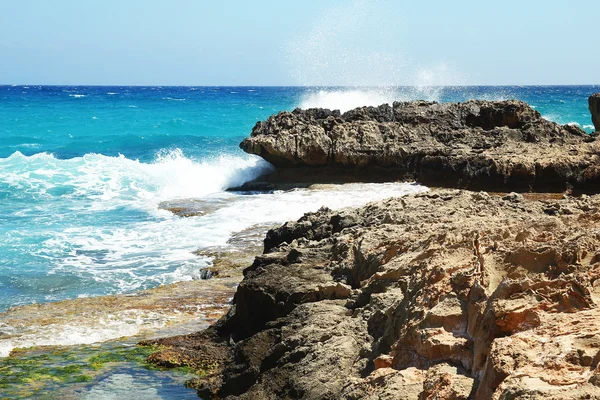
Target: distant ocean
<point x="84" y="169"/>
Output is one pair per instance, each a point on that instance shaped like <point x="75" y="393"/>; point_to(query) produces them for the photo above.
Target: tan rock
<point x="427" y="296"/>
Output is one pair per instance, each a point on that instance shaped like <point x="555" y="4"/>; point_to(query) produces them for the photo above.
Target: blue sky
<point x="327" y="42"/>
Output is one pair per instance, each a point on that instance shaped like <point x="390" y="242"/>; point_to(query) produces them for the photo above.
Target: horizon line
<point x="301" y="86"/>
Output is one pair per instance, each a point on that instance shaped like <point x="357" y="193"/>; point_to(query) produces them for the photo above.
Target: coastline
<point x="448" y="294"/>
<point x="37" y="331"/>
<point x="181" y="310"/>
<point x="171" y="309"/>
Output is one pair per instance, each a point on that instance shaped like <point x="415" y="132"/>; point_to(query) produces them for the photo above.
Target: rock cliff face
<point x="477" y="145"/>
<point x="449" y="294"/>
<point x="443" y="295"/>
<point x="594" y="102"/>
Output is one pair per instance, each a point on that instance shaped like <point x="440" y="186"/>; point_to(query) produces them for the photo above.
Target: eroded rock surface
<point x="442" y="295"/>
<point x="499" y="146"/>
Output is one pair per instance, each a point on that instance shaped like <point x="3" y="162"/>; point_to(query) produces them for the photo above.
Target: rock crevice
<point x="391" y="301"/>
<point x="447" y="294"/>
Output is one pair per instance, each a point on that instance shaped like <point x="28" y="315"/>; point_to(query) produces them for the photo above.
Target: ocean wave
<point x="99" y="229"/>
<point x="98" y="222"/>
<point x="77" y="95"/>
<point x="171" y="175"/>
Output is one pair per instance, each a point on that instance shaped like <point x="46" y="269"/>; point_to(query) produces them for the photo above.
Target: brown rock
<point x="396" y="303"/>
<point x="446" y="382"/>
<point x="497" y="146"/>
<point x="383" y="361"/>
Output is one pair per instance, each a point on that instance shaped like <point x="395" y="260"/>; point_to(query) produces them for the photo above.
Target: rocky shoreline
<point x="449" y="294"/>
<point x="478" y="145"/>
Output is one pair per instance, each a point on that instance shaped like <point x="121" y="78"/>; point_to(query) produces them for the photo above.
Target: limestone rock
<point x="446" y="294"/>
<point x="478" y="145"/>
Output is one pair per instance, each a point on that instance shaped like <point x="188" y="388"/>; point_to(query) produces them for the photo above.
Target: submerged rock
<point x="446" y="294"/>
<point x="594" y="102"/>
<point x="478" y="145"/>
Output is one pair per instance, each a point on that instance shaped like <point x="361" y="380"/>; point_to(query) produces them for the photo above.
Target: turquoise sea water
<point x="83" y="170"/>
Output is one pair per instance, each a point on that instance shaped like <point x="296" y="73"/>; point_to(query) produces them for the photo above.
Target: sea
<point x="85" y="170"/>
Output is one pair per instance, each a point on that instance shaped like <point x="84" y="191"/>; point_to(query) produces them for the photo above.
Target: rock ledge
<point x="447" y="294"/>
<point x="497" y="146"/>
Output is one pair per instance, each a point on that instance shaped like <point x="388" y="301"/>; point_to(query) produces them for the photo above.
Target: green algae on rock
<point x="448" y="293"/>
<point x="49" y="371"/>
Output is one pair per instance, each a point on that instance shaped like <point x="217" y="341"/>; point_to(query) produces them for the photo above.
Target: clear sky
<point x="281" y="42"/>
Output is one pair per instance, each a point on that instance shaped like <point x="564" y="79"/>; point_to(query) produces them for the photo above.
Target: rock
<point x="446" y="382"/>
<point x="498" y="146"/>
<point x="444" y="294"/>
<point x="594" y="102"/>
<point x="187" y="207"/>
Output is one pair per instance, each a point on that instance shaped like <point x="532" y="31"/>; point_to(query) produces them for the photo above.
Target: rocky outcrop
<point x="443" y="295"/>
<point x="497" y="146"/>
<point x="594" y="102"/>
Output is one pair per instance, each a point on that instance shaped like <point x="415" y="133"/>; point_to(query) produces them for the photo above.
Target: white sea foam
<point x="589" y="127"/>
<point x="85" y="331"/>
<point x="145" y="246"/>
<point x="551" y="117"/>
<point x="152" y="246"/>
<point x="77" y="95"/>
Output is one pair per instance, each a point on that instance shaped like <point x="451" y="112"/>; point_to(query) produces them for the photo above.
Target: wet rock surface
<point x="497" y="146"/>
<point x="448" y="294"/>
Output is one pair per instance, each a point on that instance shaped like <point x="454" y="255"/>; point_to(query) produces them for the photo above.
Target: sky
<point x="310" y="42"/>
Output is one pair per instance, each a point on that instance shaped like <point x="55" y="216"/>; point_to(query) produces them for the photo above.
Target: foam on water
<point x="94" y="222"/>
<point x="84" y="332"/>
<point x="81" y="224"/>
<point x="118" y="181"/>
<point x="99" y="229"/>
<point x="345" y="99"/>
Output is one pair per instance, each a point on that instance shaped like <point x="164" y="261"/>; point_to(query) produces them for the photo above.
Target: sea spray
<point x="99" y="229"/>
<point x="333" y="52"/>
<point x="95" y="225"/>
<point x="80" y="220"/>
<point x="347" y="98"/>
